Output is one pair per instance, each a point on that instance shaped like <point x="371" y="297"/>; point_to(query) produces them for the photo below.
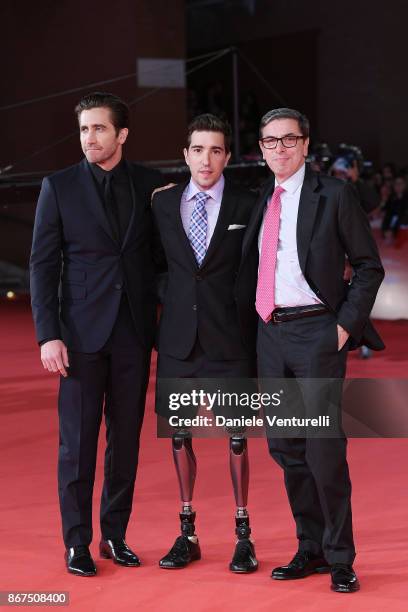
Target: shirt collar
<point x="292" y="184"/>
<point x="215" y="192"/>
<point x="99" y="173"/>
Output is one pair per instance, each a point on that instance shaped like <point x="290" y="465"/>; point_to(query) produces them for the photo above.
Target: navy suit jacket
<point x="78" y="271"/>
<point x="207" y="301"/>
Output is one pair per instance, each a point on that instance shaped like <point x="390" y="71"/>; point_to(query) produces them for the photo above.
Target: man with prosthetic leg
<point x="208" y="324"/>
<point x="187" y="547"/>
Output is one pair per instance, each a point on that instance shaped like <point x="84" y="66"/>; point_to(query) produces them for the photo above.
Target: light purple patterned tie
<point x="198" y="227"/>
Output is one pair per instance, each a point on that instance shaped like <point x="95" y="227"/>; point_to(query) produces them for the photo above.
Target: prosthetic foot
<point x="186" y="547"/>
<point x="244" y="560"/>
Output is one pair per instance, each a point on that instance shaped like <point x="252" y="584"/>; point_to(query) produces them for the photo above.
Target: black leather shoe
<point x="181" y="554"/>
<point x="119" y="551"/>
<point x="303" y="564"/>
<point x="244" y="560"/>
<point x="79" y="561"/>
<point x="344" y="579"/>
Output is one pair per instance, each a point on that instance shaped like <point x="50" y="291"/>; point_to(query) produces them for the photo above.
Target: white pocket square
<point x="235" y="226"/>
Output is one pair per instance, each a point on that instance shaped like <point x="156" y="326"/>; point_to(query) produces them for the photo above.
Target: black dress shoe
<point x="344" y="579"/>
<point x="181" y="554"/>
<point x="79" y="561"/>
<point x="244" y="560"/>
<point x="119" y="551"/>
<point x="303" y="564"/>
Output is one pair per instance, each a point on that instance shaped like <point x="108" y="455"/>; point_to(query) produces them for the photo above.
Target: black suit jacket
<point x="330" y="225"/>
<point x="207" y="301"/>
<point x="78" y="271"/>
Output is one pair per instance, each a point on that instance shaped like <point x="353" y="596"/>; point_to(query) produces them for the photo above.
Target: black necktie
<point x="111" y="207"/>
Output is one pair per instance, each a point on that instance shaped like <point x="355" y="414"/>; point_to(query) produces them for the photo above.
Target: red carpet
<point x="31" y="549"/>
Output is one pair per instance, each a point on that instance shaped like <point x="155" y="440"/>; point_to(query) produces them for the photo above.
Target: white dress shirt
<point x="212" y="205"/>
<point x="291" y="287"/>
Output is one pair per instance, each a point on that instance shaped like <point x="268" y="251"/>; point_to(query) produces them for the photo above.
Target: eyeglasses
<point x="270" y="142"/>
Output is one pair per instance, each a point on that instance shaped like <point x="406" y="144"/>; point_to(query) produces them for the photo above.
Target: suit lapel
<point x="226" y="214"/>
<point x="257" y="215"/>
<point x="136" y="194"/>
<point x="174" y="203"/>
<point x="308" y="205"/>
<point x="92" y="198"/>
<point x="227" y="208"/>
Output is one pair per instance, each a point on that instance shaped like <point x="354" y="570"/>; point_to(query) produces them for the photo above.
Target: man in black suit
<point x="94" y="308"/>
<point x="208" y="323"/>
<point x="303" y="227"/>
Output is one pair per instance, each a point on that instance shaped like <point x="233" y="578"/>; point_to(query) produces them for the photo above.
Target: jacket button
<point x="118" y="286"/>
<point x="194" y="306"/>
<point x="198" y="277"/>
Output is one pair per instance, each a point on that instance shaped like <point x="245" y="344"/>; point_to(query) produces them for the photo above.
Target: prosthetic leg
<point x="186" y="547"/>
<point x="244" y="560"/>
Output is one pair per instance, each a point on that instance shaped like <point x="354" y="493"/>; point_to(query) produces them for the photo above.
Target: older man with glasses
<point x="303" y="227"/>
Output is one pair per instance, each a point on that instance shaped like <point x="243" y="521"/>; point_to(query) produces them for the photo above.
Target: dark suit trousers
<point x="199" y="366"/>
<point x="315" y="469"/>
<point x="113" y="381"/>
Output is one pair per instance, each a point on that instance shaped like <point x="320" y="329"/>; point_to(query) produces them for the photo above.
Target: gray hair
<point x="286" y="113"/>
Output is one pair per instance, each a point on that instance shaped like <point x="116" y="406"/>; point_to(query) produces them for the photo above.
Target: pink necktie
<point x="265" y="291"/>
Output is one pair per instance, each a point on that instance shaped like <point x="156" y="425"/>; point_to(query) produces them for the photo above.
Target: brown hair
<point x="119" y="110"/>
<point x="210" y="123"/>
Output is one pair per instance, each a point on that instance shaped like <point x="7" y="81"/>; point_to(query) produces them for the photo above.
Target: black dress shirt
<point x="122" y="195"/>
<point x="122" y="200"/>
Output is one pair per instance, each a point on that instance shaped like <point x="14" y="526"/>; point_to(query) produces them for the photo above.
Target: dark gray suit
<point x="330" y="225"/>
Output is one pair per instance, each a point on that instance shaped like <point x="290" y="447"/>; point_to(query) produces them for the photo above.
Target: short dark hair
<point x="286" y="113"/>
<point x="119" y="110"/>
<point x="210" y="123"/>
